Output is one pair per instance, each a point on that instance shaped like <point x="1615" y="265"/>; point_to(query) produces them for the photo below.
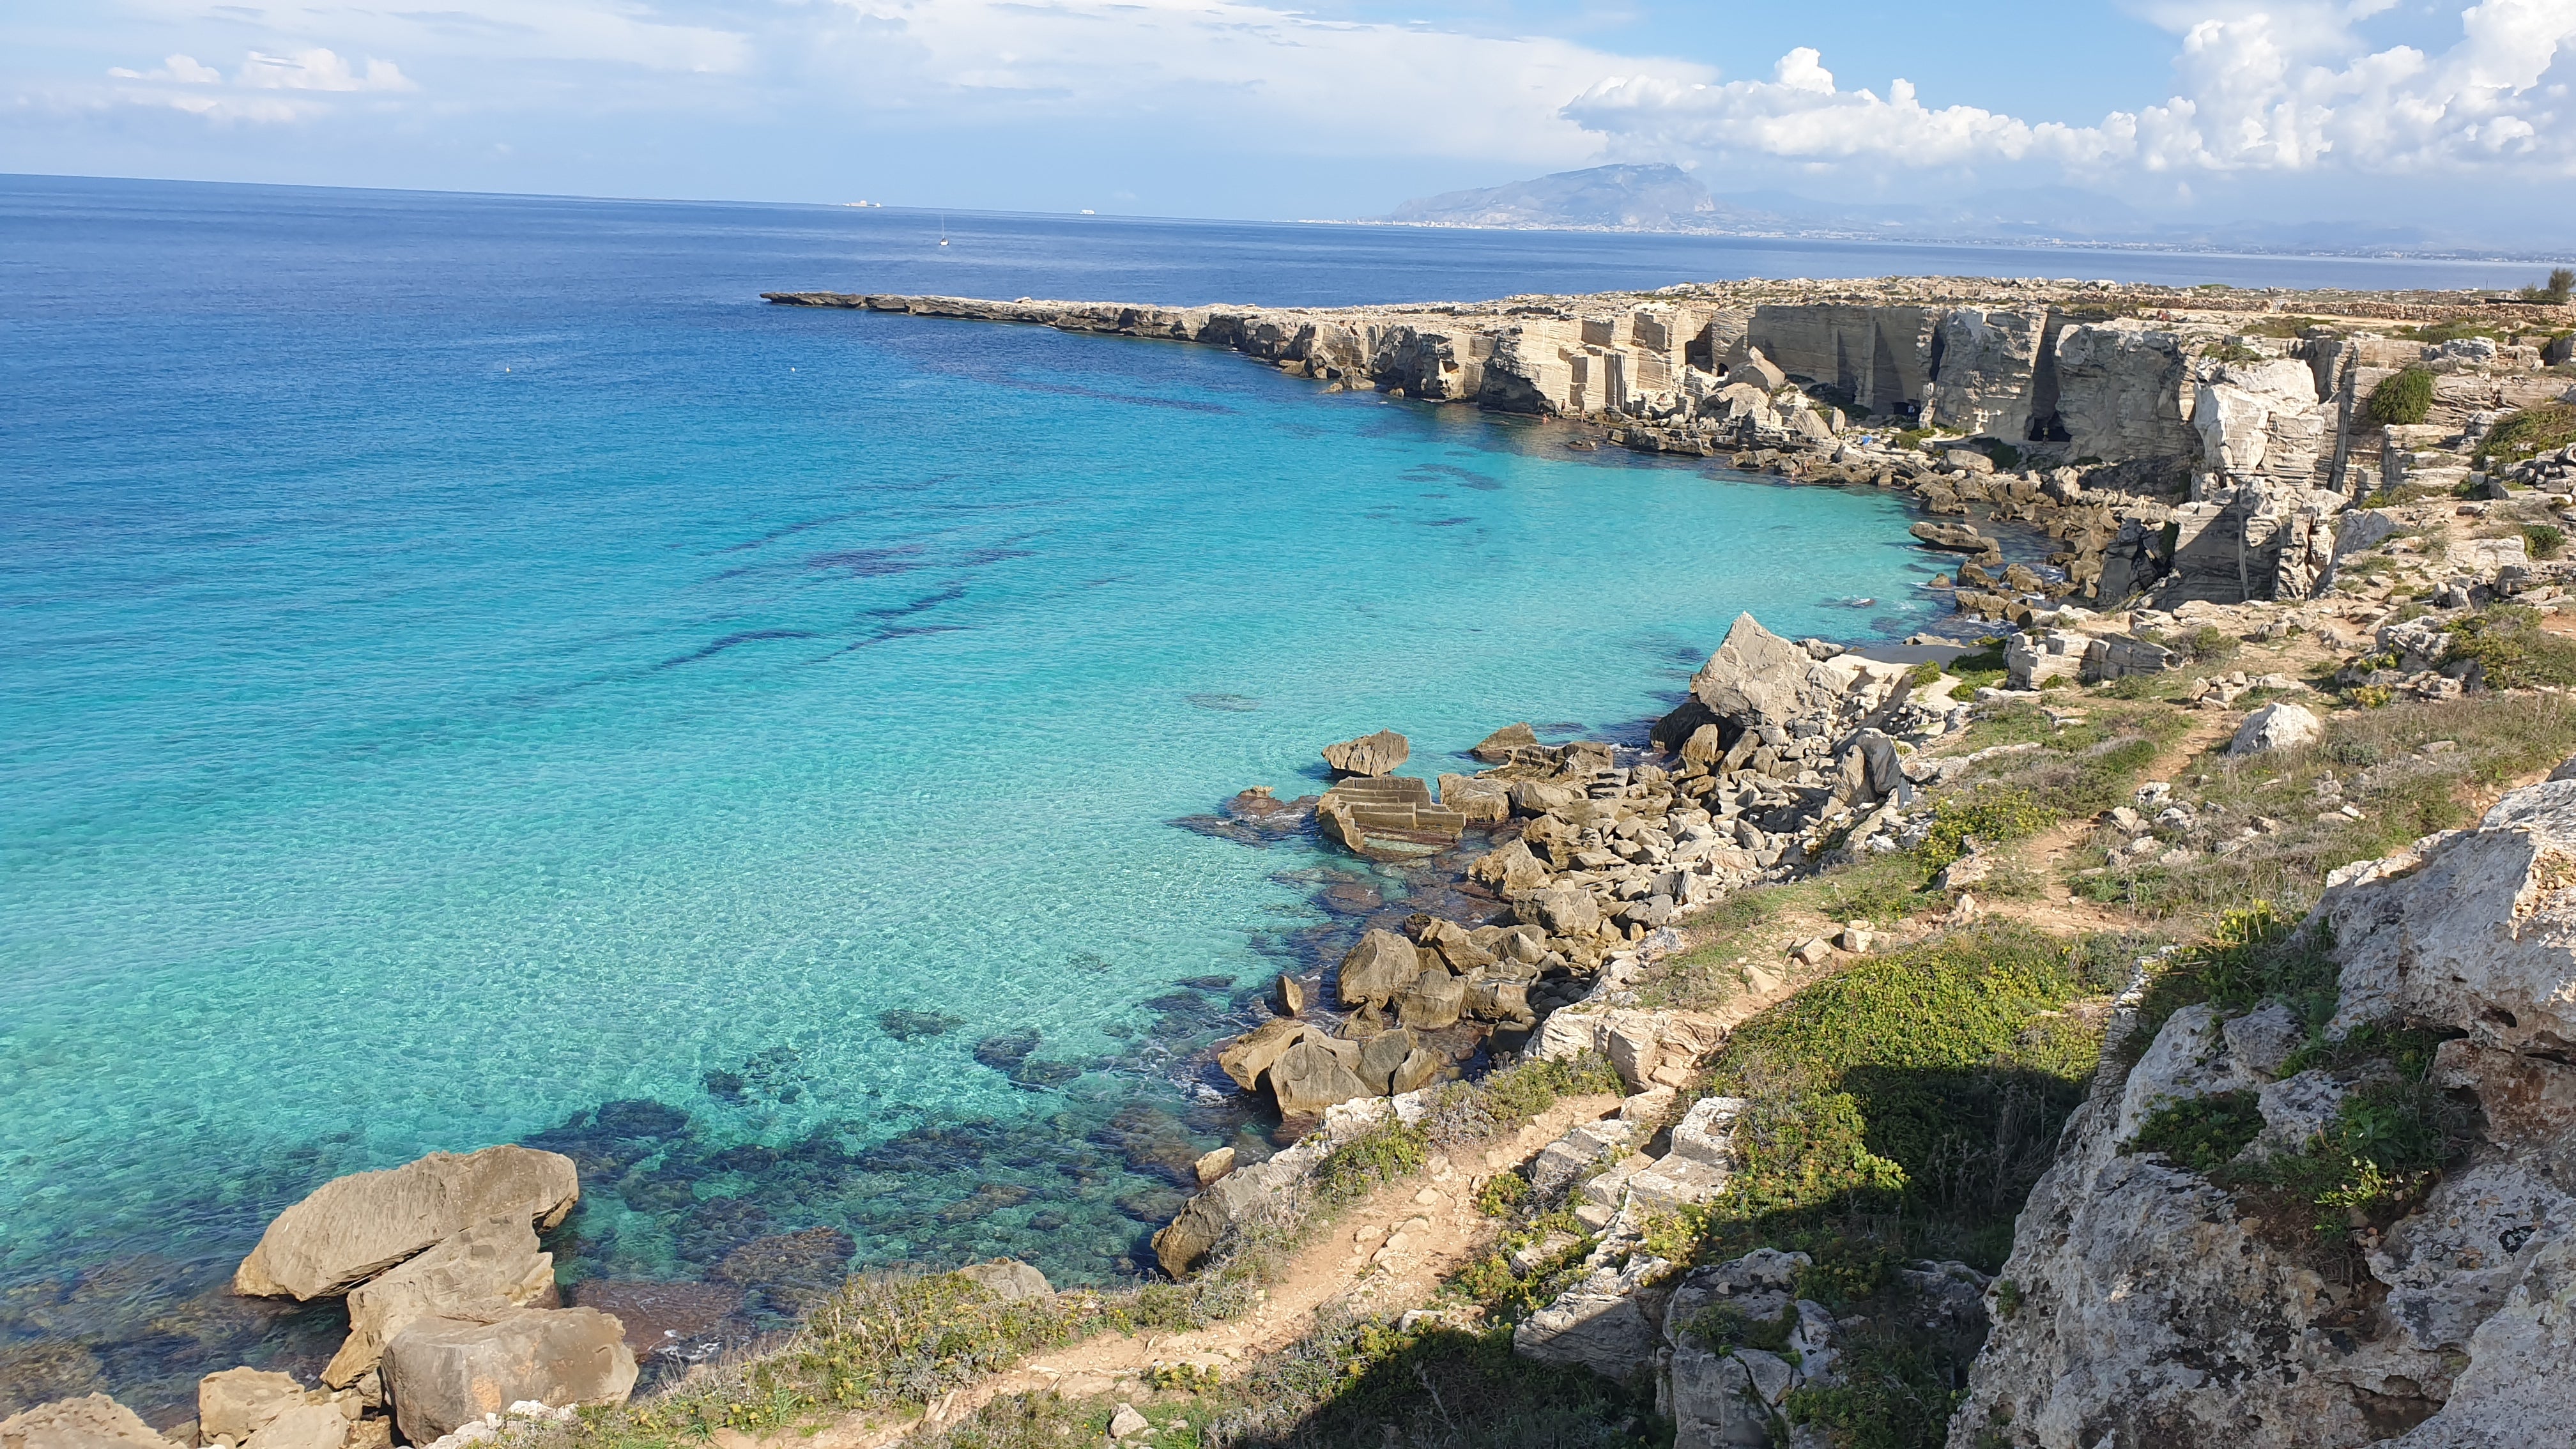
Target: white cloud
<point x="485" y="31"/>
<point x="180" y="68"/>
<point x="320" y="70"/>
<point x="1397" y="88"/>
<point x="2280" y="88"/>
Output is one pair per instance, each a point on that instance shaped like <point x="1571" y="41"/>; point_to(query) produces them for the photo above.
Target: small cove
<point x="483" y="676"/>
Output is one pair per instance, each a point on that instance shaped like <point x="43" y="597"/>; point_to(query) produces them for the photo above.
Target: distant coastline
<point x="2020" y="243"/>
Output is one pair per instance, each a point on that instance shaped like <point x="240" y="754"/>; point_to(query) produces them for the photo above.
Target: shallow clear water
<point x="470" y="663"/>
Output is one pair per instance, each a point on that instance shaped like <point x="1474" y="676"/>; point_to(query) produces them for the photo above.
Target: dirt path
<point x="1389" y="1253"/>
<point x="2057" y="908"/>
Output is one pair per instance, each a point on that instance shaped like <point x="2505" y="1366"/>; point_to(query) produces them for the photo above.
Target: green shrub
<point x="2552" y="292"/>
<point x="2201" y="1134"/>
<point x="2210" y="644"/>
<point x="2384" y="1150"/>
<point x="1927" y="1084"/>
<point x="2402" y="398"/>
<point x="1355" y="1168"/>
<point x="2253" y="955"/>
<point x="2529" y="433"/>
<point x="2543" y="541"/>
<point x="2230" y="350"/>
<point x="1988" y="817"/>
<point x="1724" y="1328"/>
<point x="2512" y="650"/>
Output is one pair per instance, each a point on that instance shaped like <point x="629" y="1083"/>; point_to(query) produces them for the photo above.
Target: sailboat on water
<point x="943" y="228"/>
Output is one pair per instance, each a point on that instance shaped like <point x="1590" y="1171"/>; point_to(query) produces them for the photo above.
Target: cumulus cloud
<point x="320" y="70"/>
<point x="1400" y="88"/>
<point x="183" y="83"/>
<point x="2282" y="88"/>
<point x="182" y="69"/>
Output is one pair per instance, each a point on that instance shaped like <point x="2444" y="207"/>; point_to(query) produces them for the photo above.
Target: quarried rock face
<point x="2152" y="1306"/>
<point x="443" y="1372"/>
<point x="1989" y="363"/>
<point x="352" y="1228"/>
<point x="2124" y="392"/>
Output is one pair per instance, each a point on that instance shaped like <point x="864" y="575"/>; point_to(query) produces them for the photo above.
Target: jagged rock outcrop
<point x="355" y="1227"/>
<point x="2151" y="1305"/>
<point x="1761" y="686"/>
<point x="1369" y="755"/>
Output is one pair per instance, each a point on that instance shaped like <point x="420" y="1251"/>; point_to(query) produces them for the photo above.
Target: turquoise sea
<point x="476" y="674"/>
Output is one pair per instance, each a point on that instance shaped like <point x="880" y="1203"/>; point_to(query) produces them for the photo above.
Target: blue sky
<point x="2386" y="110"/>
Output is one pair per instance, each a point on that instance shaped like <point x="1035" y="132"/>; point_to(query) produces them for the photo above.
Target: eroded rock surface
<point x="2152" y="1305"/>
<point x="355" y="1227"/>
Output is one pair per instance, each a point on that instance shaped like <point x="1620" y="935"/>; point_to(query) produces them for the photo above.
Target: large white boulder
<point x="2279" y="725"/>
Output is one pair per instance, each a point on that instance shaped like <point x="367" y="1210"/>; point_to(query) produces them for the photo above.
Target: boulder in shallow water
<point x="492" y="1266"/>
<point x="1010" y="1279"/>
<point x="1311" y="1076"/>
<point x="354" y="1227"/>
<point x="443" y="1372"/>
<point x="92" y="1422"/>
<point x="1369" y="755"/>
<point x="1382" y="964"/>
<point x="1252" y="1053"/>
<point x="1498" y="748"/>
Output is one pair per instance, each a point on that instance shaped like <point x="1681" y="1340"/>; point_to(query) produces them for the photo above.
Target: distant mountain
<point x="1624" y="198"/>
<point x="1668" y="199"/>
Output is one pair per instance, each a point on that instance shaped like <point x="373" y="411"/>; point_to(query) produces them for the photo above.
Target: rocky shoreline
<point x="2203" y="469"/>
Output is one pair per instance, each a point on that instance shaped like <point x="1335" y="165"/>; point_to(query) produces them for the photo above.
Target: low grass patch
<point x="1921" y="1090"/>
<point x="2374" y="760"/>
<point x="2528" y="434"/>
<point x="2512" y="650"/>
<point x="1353" y="1381"/>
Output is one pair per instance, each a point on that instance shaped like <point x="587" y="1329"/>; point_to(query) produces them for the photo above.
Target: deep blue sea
<point x="474" y="673"/>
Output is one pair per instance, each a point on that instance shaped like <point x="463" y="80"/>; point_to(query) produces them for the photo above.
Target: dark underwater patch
<point x="752" y="636"/>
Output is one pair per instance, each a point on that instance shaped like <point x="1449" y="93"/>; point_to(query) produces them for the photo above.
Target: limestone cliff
<point x="2152" y="1303"/>
<point x="2257" y="439"/>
